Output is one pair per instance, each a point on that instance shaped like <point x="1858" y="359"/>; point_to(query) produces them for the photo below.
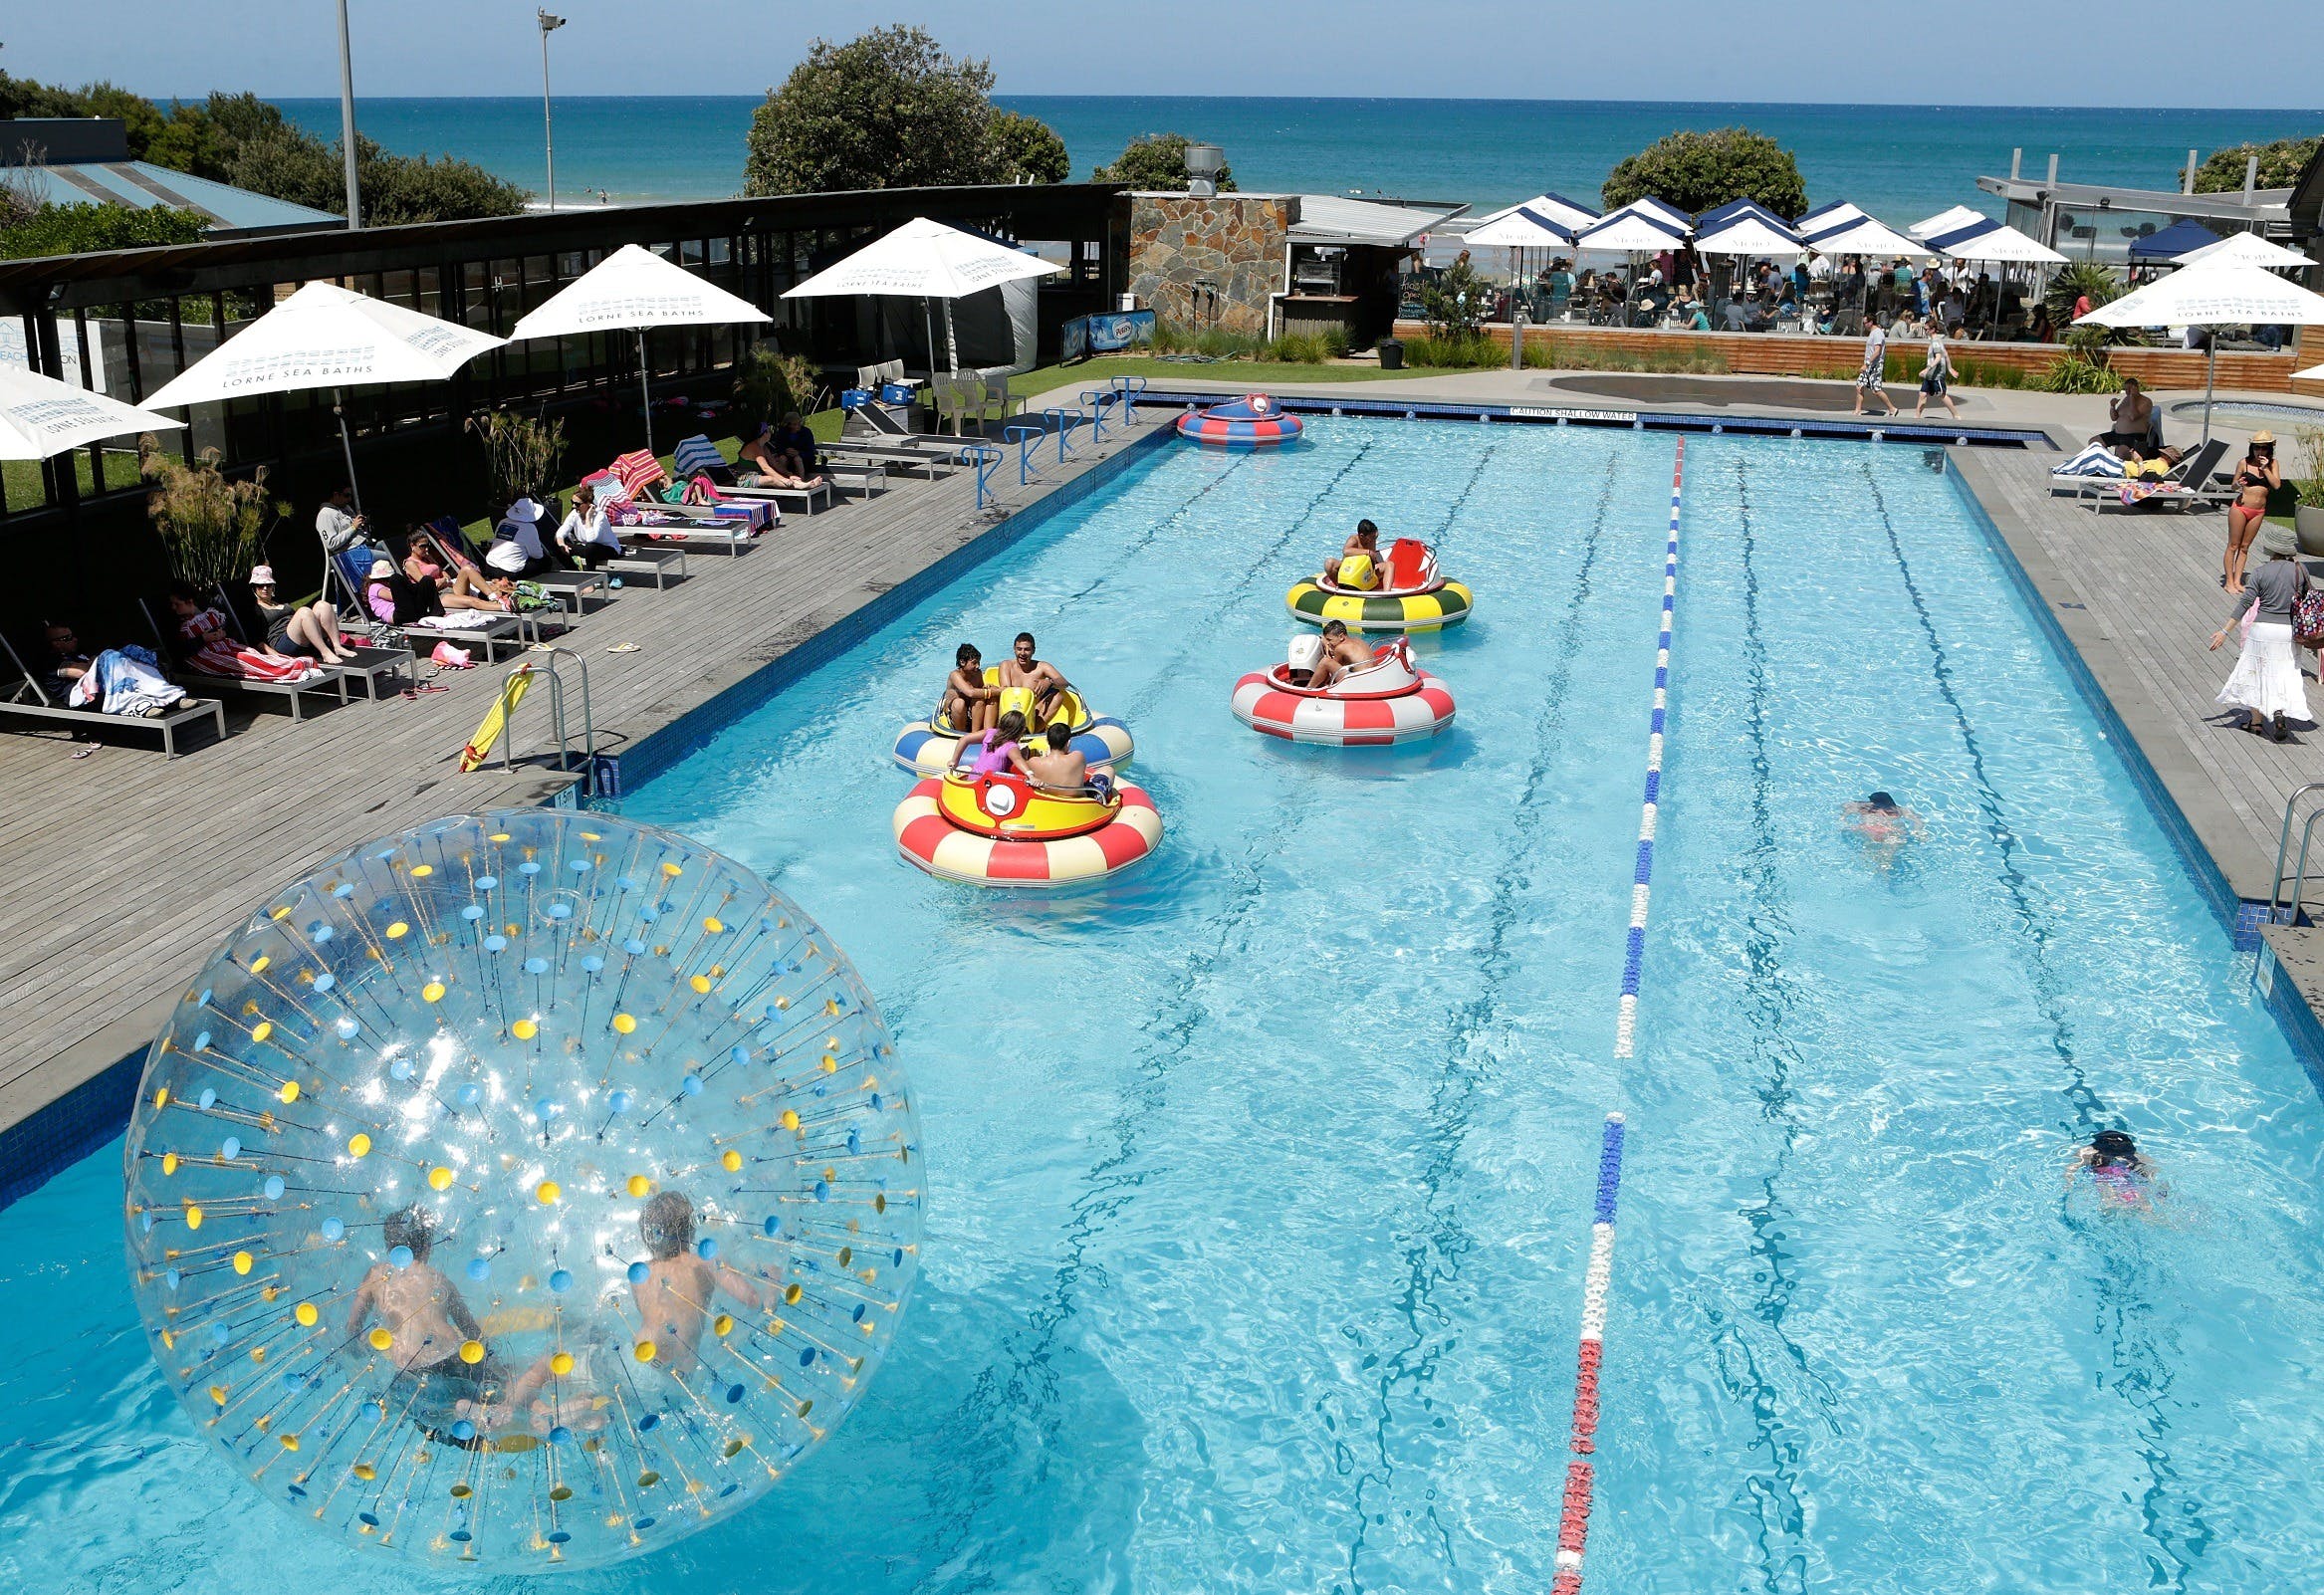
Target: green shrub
<point x="80" y="229"/>
<point x="1455" y="353"/>
<point x="1697" y="170"/>
<point x="1221" y="344"/>
<point x="1299" y="348"/>
<point x="2312" y="467"/>
<point x="1157" y="161"/>
<point x="2075" y="279"/>
<point x="1336" y="345"/>
<point x="2075" y="372"/>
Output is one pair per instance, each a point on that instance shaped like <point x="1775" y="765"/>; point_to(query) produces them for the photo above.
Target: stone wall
<point x="1233" y="241"/>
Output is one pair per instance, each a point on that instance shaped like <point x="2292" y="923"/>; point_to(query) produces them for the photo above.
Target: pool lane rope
<point x="1573" y="1526"/>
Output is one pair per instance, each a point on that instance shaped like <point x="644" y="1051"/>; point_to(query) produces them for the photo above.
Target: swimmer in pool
<point x="1883" y="821"/>
<point x="2123" y="1175"/>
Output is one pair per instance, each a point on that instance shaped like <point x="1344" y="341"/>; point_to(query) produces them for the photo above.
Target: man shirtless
<point x="1364" y="541"/>
<point x="1341" y="653"/>
<point x="2130" y="419"/>
<point x="421" y="1311"/>
<point x="1057" y="763"/>
<point x="1042" y="679"/>
<point x="673" y="1299"/>
<point x="969" y="705"/>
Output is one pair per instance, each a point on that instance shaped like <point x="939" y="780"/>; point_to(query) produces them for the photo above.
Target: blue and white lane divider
<point x="1573" y="1526"/>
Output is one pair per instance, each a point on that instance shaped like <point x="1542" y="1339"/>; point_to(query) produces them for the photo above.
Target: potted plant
<point x="2308" y="518"/>
<point x="522" y="454"/>
<point x="214" y="527"/>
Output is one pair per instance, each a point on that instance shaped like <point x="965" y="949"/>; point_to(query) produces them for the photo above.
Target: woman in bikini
<point x="2255" y="478"/>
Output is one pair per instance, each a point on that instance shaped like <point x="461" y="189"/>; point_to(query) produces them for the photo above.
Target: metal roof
<point x="141" y="185"/>
<point x="1329" y="219"/>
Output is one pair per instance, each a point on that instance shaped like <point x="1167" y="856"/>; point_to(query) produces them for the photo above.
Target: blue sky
<point x="2265" y="53"/>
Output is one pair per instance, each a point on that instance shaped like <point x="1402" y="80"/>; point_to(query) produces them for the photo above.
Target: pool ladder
<point x="2280" y="910"/>
<point x="543" y="656"/>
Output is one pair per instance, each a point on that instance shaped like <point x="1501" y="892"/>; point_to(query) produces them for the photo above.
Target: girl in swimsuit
<point x="2123" y="1176"/>
<point x="996" y="750"/>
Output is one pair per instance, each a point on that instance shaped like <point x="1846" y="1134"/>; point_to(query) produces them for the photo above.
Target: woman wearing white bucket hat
<point x="311" y="630"/>
<point x="2265" y="683"/>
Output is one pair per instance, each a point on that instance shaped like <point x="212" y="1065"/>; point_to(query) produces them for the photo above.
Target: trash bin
<point x="1391" y="354"/>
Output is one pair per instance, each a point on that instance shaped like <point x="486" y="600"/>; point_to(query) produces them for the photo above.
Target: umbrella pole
<point x="346" y="450"/>
<point x="646" y="391"/>
<point x="2211" y="374"/>
<point x="928" y="329"/>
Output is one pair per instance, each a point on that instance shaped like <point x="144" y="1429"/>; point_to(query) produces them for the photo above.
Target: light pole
<point x="347" y="122"/>
<point x="549" y="25"/>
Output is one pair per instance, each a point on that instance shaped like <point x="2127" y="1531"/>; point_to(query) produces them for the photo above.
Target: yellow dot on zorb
<point x="531" y="1082"/>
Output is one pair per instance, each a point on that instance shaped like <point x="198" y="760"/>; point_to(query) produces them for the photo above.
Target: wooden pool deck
<point x="119" y="871"/>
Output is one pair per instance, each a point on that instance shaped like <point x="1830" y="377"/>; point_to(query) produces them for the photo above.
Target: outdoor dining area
<point x="1740" y="267"/>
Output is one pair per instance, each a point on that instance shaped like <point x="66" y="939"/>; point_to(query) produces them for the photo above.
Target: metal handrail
<point x="1065" y="419"/>
<point x="1129" y="387"/>
<point x="556" y="681"/>
<point x="985" y="458"/>
<point x="1025" y="435"/>
<point x="2283" y="842"/>
<point x="1097" y="398"/>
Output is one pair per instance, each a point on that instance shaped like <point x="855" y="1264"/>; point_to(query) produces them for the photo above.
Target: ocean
<point x="1900" y="162"/>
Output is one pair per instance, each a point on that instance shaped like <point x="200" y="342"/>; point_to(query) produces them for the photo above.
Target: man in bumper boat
<point x="1030" y="683"/>
<point x="1359" y="565"/>
<point x="1341" y="654"/>
<point x="968" y="703"/>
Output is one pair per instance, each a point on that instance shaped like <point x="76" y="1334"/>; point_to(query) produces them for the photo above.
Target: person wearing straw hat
<point x="2255" y="478"/>
<point x="2265" y="683"/>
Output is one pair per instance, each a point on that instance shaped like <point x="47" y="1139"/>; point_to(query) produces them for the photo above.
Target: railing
<point x="1027" y="437"/>
<point x="985" y="459"/>
<point x="1061" y="421"/>
<point x="2277" y="904"/>
<point x="561" y="726"/>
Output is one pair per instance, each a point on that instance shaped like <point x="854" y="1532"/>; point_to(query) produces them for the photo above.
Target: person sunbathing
<point x="1359" y="565"/>
<point x="114" y="681"/>
<point x="210" y="648"/>
<point x="421" y="592"/>
<point x="309" y="630"/>
<point x="585" y="534"/>
<point x="770" y="466"/>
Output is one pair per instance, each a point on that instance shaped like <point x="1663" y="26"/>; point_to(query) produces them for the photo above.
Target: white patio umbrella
<point x="2213" y="296"/>
<point x="1747" y="231"/>
<point x="2314" y="374"/>
<point x="631" y="289"/>
<point x="1518" y="231"/>
<point x="1554" y="208"/>
<point x="2244" y="249"/>
<point x="1642" y="227"/>
<point x="1946" y="221"/>
<point x="41" y="416"/>
<point x="324" y="337"/>
<point x="925" y="260"/>
<point x="1987" y="241"/>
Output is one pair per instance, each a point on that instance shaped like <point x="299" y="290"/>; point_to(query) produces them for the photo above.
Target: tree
<point x="1156" y="161"/>
<point x="1456" y="304"/>
<point x="1698" y="171"/>
<point x="887" y="110"/>
<point x="1026" y="150"/>
<point x="2279" y="165"/>
<point x="84" y="228"/>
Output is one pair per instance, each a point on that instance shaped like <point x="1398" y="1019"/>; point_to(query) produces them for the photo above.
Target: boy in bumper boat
<point x="1358" y="565"/>
<point x="1039" y="683"/>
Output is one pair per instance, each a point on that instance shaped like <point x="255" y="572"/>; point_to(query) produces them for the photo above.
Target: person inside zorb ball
<point x="529" y="1189"/>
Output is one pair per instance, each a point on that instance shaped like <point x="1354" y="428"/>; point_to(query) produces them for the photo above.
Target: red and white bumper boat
<point x="1388" y="701"/>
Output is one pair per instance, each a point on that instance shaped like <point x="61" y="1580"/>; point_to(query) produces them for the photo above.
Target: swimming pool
<point x="1261" y="1179"/>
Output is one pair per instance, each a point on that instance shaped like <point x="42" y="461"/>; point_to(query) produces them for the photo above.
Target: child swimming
<point x="2124" y="1177"/>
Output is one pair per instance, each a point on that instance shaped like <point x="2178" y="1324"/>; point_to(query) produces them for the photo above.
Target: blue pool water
<point x="1259" y="1180"/>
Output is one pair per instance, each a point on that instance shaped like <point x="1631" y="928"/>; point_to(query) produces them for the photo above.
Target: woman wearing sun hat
<point x="2255" y="478"/>
<point x="2265" y="683"/>
<point x="311" y="630"/>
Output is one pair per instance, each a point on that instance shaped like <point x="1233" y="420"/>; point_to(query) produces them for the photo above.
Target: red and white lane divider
<point x="1573" y="1524"/>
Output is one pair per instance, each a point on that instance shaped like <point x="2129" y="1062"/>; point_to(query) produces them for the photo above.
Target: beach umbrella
<point x="1859" y="234"/>
<point x="2314" y="374"/>
<point x="324" y="337"/>
<point x="928" y="261"/>
<point x="631" y="289"/>
<point x="1946" y="221"/>
<point x="41" y="416"/>
<point x="2212" y="295"/>
<point x="1743" y="228"/>
<point x="1642" y="227"/>
<point x="1987" y="240"/>
<point x="1518" y="231"/>
<point x="2245" y="249"/>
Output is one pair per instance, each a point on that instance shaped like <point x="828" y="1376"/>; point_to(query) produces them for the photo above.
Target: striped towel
<point x="639" y="473"/>
<point x="2092" y="461"/>
<point x="697" y="454"/>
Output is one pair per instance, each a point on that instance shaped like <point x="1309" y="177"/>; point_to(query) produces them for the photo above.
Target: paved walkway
<point x="119" y="871"/>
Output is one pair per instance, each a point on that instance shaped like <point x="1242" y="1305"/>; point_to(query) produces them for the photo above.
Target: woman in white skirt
<point x="2265" y="683"/>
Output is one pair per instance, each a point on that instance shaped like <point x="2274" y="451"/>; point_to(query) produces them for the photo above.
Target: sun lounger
<point x="492" y="632"/>
<point x="935" y="459"/>
<point x="2189" y="485"/>
<point x="697" y="458"/>
<point x="327" y="682"/>
<point x="571" y="588"/>
<point x="30" y="701"/>
<point x="370" y="668"/>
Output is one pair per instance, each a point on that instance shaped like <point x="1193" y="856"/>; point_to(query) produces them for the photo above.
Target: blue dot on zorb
<point x="529" y="867"/>
<point x="345" y="888"/>
<point x="625" y="883"/>
<point x="505" y="1082"/>
<point x="204" y="1000"/>
<point x="208" y="1099"/>
<point x="202" y="1041"/>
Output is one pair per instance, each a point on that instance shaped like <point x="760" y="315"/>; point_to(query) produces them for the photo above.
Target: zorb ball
<point x="527" y="1190"/>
